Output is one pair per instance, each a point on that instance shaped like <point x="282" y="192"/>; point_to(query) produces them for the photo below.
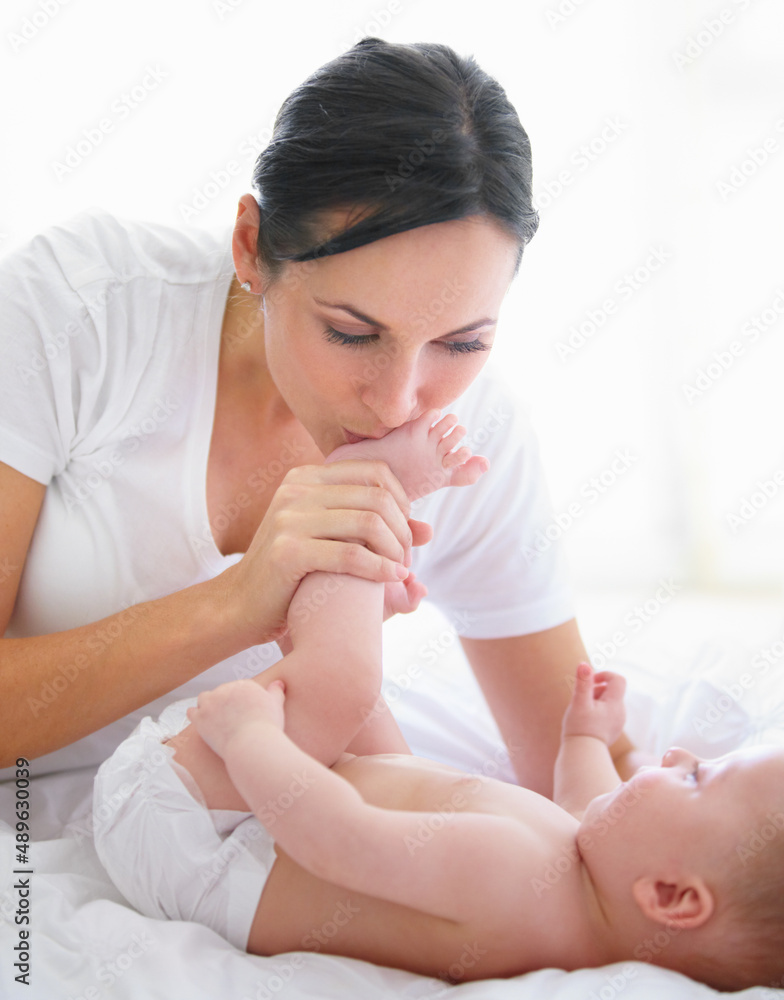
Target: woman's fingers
<point x="363" y="527"/>
<point x="346" y="517"/>
<point x="360" y="501"/>
<point x="329" y="556"/>
<point x="356" y="471"/>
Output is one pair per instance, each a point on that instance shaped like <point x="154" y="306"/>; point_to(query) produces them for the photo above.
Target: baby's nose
<point x="675" y="756"/>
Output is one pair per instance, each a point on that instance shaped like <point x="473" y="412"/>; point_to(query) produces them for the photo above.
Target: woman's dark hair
<point x="406" y="135"/>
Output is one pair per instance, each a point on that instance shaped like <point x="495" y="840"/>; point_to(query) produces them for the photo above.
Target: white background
<point x="694" y="99"/>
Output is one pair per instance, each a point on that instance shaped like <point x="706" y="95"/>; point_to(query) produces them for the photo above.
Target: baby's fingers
<point x="278" y="690"/>
<point x="612" y="685"/>
<point x="583" y="688"/>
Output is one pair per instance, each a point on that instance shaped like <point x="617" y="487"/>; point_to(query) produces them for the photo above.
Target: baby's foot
<point x="421" y="455"/>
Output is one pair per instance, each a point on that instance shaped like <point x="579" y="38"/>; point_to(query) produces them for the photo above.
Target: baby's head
<point x="688" y="863"/>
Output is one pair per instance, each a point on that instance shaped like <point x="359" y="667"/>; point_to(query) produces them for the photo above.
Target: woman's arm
<point x="57" y="688"/>
<point x="527" y="681"/>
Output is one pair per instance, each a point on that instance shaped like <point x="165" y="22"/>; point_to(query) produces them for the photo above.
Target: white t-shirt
<point x="109" y="337"/>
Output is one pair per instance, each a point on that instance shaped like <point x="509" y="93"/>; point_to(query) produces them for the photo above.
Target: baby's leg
<point x="333" y="672"/>
<point x="337" y="619"/>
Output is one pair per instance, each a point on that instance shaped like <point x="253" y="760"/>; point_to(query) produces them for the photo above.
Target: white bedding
<point x="88" y="944"/>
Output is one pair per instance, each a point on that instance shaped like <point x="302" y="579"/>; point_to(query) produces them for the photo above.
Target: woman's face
<point x="360" y="342"/>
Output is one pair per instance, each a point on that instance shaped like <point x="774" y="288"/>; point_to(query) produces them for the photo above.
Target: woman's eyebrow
<point x="382" y="326"/>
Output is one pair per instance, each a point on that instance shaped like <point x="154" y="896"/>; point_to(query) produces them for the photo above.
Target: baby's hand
<point x="221" y="714"/>
<point x="596" y="708"/>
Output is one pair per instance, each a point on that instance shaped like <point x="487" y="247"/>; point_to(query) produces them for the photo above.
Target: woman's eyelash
<point x="453" y="347"/>
<point x="336" y="337"/>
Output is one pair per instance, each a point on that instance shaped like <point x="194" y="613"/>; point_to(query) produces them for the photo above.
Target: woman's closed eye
<point x="360" y="340"/>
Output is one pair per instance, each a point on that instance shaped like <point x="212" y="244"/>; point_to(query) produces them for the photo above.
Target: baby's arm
<point x="330" y="830"/>
<point x="592" y="723"/>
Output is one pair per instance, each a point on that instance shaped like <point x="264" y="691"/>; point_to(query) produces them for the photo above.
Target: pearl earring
<point x="245" y="286"/>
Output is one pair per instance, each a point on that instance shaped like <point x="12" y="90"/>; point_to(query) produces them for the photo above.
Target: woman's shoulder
<point x="96" y="245"/>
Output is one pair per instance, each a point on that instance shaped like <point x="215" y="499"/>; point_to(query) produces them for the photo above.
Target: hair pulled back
<point x="405" y="134"/>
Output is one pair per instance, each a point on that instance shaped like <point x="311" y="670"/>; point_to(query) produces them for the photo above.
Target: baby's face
<point x="689" y="808"/>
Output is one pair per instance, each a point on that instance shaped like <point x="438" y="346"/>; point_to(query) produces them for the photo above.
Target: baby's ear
<point x="684" y="902"/>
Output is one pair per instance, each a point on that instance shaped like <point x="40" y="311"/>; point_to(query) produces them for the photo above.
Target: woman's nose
<point x="393" y="394"/>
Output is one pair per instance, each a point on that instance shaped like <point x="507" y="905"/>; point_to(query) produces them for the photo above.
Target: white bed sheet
<point x="87" y="943"/>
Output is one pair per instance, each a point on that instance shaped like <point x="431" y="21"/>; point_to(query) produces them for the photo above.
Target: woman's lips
<point x="352" y="438"/>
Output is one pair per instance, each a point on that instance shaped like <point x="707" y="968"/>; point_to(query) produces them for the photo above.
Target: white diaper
<point x="169" y="855"/>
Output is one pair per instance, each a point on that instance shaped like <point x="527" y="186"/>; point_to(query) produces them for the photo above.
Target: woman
<point x="165" y="418"/>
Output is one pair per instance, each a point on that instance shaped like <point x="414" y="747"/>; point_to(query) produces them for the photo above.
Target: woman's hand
<point x="222" y="714"/>
<point x="347" y="517"/>
<point x="597" y="707"/>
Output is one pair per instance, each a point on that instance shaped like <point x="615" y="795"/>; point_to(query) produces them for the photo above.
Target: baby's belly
<point x="301" y="912"/>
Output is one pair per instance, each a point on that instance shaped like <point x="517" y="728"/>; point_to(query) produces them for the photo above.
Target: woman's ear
<point x="683" y="901"/>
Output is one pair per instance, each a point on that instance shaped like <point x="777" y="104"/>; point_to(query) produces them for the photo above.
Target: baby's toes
<point x="469" y="472"/>
<point x="426" y="419"/>
<point x="443" y="427"/>
<point x="454" y="458"/>
<point x="451" y="440"/>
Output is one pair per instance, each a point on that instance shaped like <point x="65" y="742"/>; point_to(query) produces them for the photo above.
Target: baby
<point x="251" y="822"/>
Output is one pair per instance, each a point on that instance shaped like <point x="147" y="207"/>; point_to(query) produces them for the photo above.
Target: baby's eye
<point x="694" y="774"/>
